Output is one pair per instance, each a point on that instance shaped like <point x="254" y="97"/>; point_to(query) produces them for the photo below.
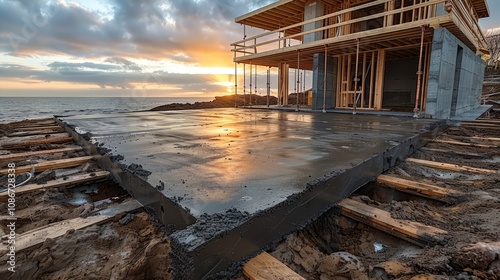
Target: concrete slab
<point x="282" y="168"/>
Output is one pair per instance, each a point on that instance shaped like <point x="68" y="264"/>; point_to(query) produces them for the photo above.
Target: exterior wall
<point x="318" y="81"/>
<point x="313" y="10"/>
<point x="468" y="88"/>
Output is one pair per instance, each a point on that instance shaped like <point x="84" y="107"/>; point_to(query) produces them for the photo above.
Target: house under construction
<point x="425" y="56"/>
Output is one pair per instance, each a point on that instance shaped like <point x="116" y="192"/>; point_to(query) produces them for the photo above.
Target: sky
<point x="147" y="48"/>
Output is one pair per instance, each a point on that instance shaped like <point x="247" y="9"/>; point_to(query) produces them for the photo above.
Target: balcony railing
<point x="370" y="16"/>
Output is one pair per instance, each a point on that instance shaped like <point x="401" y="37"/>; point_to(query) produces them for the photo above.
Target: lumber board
<point x="59" y="183"/>
<point x="35" y="128"/>
<point x="414" y="232"/>
<point x="458" y="143"/>
<point x="416" y="187"/>
<point x="459" y="153"/>
<point x="266" y="267"/>
<point x="52" y="164"/>
<point x="450" y="167"/>
<point x="36" y="132"/>
<point x="38" y="236"/>
<point x="18" y="139"/>
<point x="37" y="124"/>
<point x="479" y="124"/>
<point x="26" y="155"/>
<point x="37" y="142"/>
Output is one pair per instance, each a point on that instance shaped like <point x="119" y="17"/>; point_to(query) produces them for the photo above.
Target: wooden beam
<point x="478" y="124"/>
<point x="450" y="167"/>
<point x="266" y="267"/>
<point x="420" y="188"/>
<point x="444" y="151"/>
<point x="59" y="183"/>
<point x="54" y="164"/>
<point x="379" y="83"/>
<point x="38" y="236"/>
<point x="458" y="143"/>
<point x="24" y="156"/>
<point x="37" y="142"/>
<point x="36" y="128"/>
<point x="36" y="132"/>
<point x="414" y="232"/>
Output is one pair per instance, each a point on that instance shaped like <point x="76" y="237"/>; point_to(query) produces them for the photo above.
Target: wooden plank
<point x="38" y="236"/>
<point x="458" y="143"/>
<point x="450" y="167"/>
<point x="53" y="164"/>
<point x="414" y="232"/>
<point x="36" y="132"/>
<point x="266" y="267"/>
<point x="23" y="156"/>
<point x="36" y="128"/>
<point x="478" y="124"/>
<point x="379" y="80"/>
<point x="59" y="183"/>
<point x="460" y="153"/>
<point x="420" y="188"/>
<point x="37" y="142"/>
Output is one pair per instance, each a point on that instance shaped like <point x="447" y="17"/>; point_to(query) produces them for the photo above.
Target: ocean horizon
<point x="21" y="108"/>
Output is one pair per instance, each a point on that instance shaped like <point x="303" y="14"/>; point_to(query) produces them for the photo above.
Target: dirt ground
<point x="133" y="246"/>
<point x="336" y="247"/>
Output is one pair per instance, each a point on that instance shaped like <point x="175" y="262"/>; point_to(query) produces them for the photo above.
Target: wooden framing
<point x="420" y="188"/>
<point x="378" y="26"/>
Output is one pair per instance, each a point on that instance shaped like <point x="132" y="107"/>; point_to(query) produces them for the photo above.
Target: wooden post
<point x="379" y="84"/>
<point x="372" y="81"/>
<point x="363" y="79"/>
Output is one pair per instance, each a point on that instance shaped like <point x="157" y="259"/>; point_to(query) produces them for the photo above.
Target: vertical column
<point x="283" y="80"/>
<point x="379" y="80"/>
<point x="324" y="82"/>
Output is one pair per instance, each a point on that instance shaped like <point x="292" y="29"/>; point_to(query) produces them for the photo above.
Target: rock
<point x="389" y="270"/>
<point x="429" y="277"/>
<point x="480" y="256"/>
<point x="127" y="219"/>
<point x="341" y="265"/>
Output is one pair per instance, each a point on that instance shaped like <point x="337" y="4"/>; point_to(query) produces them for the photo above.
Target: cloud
<point x="72" y="73"/>
<point x="194" y="32"/>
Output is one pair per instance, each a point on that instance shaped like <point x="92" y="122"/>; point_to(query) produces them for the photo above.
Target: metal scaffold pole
<point x="298" y="82"/>
<point x="268" y="85"/>
<point x="250" y="91"/>
<point x="356" y="78"/>
<point x="324" y="80"/>
<point x="419" y="73"/>
<point x="255" y="78"/>
<point x="244" y="83"/>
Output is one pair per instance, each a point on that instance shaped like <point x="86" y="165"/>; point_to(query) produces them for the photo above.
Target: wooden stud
<point x="53" y="164"/>
<point x="414" y="232"/>
<point x="266" y="267"/>
<point x="379" y="84"/>
<point x="59" y="183"/>
<point x="450" y="167"/>
<point x="24" y="156"/>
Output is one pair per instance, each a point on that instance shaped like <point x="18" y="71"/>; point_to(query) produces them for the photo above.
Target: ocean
<point x="20" y="108"/>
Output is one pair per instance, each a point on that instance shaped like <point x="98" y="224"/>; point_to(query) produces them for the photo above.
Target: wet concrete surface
<point x="248" y="176"/>
<point x="213" y="160"/>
